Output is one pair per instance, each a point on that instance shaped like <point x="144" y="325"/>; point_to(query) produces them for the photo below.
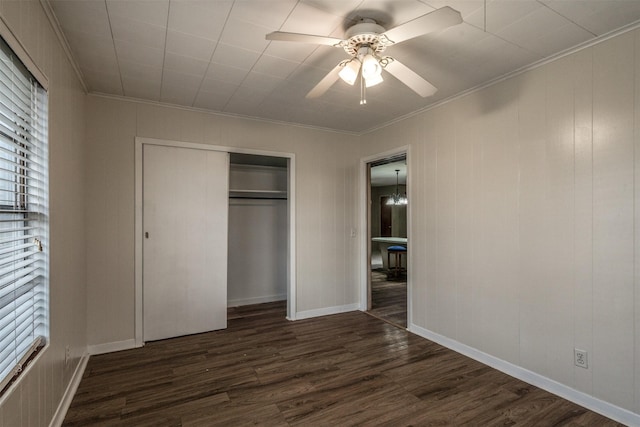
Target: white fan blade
<point x="434" y="21"/>
<point x="303" y="38"/>
<point x="407" y="76"/>
<point x="326" y="82"/>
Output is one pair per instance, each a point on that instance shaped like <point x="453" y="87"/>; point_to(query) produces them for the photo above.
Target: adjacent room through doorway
<point x="387" y="221"/>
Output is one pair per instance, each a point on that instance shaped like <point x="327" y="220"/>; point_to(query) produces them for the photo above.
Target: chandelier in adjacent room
<point x="397" y="198"/>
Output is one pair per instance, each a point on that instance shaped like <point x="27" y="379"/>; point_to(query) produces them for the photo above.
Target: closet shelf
<point x="258" y="194"/>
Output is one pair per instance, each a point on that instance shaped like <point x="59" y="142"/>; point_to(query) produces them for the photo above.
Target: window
<point x="23" y="215"/>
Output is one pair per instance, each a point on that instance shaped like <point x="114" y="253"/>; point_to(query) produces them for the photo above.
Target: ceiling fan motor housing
<point x="364" y="33"/>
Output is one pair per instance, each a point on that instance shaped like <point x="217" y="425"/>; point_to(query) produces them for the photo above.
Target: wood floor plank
<point x="372" y="398"/>
<point x="345" y="369"/>
<point x="389" y="297"/>
<point x="100" y="412"/>
<point x="173" y="415"/>
<point x="233" y="414"/>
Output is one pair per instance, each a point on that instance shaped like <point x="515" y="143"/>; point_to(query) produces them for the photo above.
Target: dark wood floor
<point x="389" y="297"/>
<point x="345" y="369"/>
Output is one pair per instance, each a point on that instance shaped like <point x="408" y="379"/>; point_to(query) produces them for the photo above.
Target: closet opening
<point x="258" y="234"/>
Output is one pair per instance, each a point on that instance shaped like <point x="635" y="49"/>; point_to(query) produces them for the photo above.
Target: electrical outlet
<point x="67" y="354"/>
<point x="580" y="358"/>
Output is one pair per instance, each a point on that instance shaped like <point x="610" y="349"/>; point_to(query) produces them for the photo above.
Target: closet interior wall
<point x="258" y="230"/>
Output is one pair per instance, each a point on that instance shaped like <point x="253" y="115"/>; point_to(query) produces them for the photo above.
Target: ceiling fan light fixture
<point x="349" y="72"/>
<point x="370" y="66"/>
<point x="372" y="81"/>
<point x="365" y="42"/>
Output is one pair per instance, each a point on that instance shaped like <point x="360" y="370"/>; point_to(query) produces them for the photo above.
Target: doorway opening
<point x="387" y="242"/>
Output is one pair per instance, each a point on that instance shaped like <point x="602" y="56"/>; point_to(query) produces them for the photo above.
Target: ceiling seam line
<point x="215" y="49"/>
<point x="254" y="64"/>
<point x="250" y="69"/>
<point x="300" y="64"/>
<point x="115" y="51"/>
<point x="540" y="56"/>
<point x="164" y="51"/>
<point x="262" y="53"/>
<point x="289" y="14"/>
<point x="564" y="17"/>
<point x="312" y="52"/>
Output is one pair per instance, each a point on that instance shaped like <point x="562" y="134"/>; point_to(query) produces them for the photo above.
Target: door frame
<point x="138" y="227"/>
<point x="365" y="226"/>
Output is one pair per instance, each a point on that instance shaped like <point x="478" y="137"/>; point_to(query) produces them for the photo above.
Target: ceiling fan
<point x="365" y="42"/>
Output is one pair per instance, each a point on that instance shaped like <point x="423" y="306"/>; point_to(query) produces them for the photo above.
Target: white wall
<point x="38" y="393"/>
<point x="258" y="240"/>
<point x="326" y="185"/>
<point x="525" y="236"/>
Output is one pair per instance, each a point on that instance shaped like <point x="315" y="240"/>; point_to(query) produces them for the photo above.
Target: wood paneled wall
<point x="524" y="201"/>
<point x="325" y="169"/>
<point x="38" y="394"/>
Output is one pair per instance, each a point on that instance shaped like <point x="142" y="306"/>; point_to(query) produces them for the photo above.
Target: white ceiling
<point x="385" y="174"/>
<point x="212" y="54"/>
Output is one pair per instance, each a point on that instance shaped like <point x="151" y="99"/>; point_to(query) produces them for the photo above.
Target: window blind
<point x="23" y="215"/>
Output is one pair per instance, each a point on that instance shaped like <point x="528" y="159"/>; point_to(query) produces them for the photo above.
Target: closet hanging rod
<point x="257" y="198"/>
<point x="258" y="194"/>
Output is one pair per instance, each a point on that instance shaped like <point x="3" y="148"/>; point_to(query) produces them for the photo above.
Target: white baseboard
<point x="607" y="409"/>
<point x="326" y="311"/>
<point x="72" y="387"/>
<point x="110" y="347"/>
<point x="256" y="300"/>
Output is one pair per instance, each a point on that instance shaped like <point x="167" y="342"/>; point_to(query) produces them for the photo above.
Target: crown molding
<point x="590" y="43"/>
<point x="500" y="79"/>
<point x="220" y="114"/>
<point x="55" y="25"/>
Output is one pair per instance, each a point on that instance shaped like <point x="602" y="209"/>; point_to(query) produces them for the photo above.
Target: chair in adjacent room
<point x="397" y="251"/>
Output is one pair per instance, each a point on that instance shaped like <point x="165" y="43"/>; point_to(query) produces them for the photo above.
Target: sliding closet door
<point x="185" y="210"/>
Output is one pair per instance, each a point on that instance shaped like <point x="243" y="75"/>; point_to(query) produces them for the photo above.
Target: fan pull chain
<point x="363" y="94"/>
<point x="485" y="16"/>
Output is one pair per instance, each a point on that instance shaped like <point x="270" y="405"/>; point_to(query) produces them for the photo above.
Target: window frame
<point x="39" y="104"/>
